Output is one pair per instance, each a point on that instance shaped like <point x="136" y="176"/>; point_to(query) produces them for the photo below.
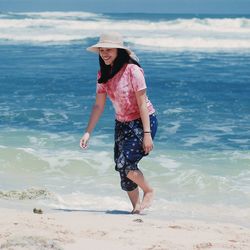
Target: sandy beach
<point x="92" y="230"/>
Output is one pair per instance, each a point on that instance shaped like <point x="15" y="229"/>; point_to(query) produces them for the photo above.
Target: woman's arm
<point x="141" y="101"/>
<point x="97" y="110"/>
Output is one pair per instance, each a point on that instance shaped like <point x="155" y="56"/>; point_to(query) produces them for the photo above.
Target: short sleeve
<point x="137" y="78"/>
<point x="100" y="88"/>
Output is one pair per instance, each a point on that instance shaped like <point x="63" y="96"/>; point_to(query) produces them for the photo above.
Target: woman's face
<point x="108" y="55"/>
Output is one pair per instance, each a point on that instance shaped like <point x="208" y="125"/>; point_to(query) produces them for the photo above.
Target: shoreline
<point x="86" y="229"/>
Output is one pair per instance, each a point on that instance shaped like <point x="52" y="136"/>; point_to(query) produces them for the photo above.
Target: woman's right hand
<point x="84" y="140"/>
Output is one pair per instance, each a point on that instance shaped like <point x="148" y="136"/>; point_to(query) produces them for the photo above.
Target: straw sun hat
<point x="111" y="40"/>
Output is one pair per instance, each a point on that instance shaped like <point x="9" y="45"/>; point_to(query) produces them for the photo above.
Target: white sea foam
<point x="174" y="111"/>
<point x="216" y="213"/>
<point x="200" y="139"/>
<point x="58" y="14"/>
<point x="166" y="162"/>
<point x="180" y="34"/>
<point x="240" y="141"/>
<point x="224" y="128"/>
<point x="174" y="127"/>
<point x="237" y="155"/>
<point x="161" y="208"/>
<point x="80" y="201"/>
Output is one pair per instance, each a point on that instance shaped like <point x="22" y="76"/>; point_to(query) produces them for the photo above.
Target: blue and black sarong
<point x="128" y="149"/>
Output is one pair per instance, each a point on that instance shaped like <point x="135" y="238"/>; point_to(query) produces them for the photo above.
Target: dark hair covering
<point x="122" y="58"/>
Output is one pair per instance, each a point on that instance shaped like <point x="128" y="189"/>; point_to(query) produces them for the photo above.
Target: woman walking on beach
<point x="122" y="79"/>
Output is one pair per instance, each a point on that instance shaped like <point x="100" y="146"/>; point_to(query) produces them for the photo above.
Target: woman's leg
<point x="134" y="197"/>
<point x="137" y="177"/>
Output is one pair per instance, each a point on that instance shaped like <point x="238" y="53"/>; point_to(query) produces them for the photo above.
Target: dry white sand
<point x="80" y="230"/>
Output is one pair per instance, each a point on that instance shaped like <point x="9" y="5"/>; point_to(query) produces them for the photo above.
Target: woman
<point x="121" y="78"/>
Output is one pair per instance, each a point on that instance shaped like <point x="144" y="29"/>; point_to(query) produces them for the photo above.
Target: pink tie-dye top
<point x="121" y="90"/>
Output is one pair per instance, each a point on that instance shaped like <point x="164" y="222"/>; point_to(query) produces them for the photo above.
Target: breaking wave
<point x="176" y="34"/>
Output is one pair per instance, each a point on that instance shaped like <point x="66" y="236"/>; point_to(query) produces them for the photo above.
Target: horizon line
<point x="125" y="12"/>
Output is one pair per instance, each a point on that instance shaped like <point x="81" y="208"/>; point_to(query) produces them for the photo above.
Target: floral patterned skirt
<point x="128" y="149"/>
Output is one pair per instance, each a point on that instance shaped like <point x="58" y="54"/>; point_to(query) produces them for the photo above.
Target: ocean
<point x="197" y="73"/>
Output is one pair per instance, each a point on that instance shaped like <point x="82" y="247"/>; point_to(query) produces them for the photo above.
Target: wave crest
<point x="183" y="34"/>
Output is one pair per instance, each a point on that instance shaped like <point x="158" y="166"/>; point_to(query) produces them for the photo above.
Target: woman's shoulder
<point x="133" y="68"/>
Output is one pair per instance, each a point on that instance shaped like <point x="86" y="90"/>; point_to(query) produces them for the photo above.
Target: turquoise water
<point x="197" y="71"/>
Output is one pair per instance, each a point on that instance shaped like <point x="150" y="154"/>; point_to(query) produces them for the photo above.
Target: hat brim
<point x="95" y="48"/>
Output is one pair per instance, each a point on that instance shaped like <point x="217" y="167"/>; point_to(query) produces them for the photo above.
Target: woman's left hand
<point x="147" y="143"/>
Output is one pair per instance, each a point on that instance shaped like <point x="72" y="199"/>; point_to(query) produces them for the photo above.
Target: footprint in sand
<point x="204" y="245"/>
<point x="138" y="220"/>
<point x="175" y="227"/>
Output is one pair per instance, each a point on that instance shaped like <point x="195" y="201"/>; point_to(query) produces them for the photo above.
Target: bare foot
<point x="147" y="199"/>
<point x="137" y="209"/>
